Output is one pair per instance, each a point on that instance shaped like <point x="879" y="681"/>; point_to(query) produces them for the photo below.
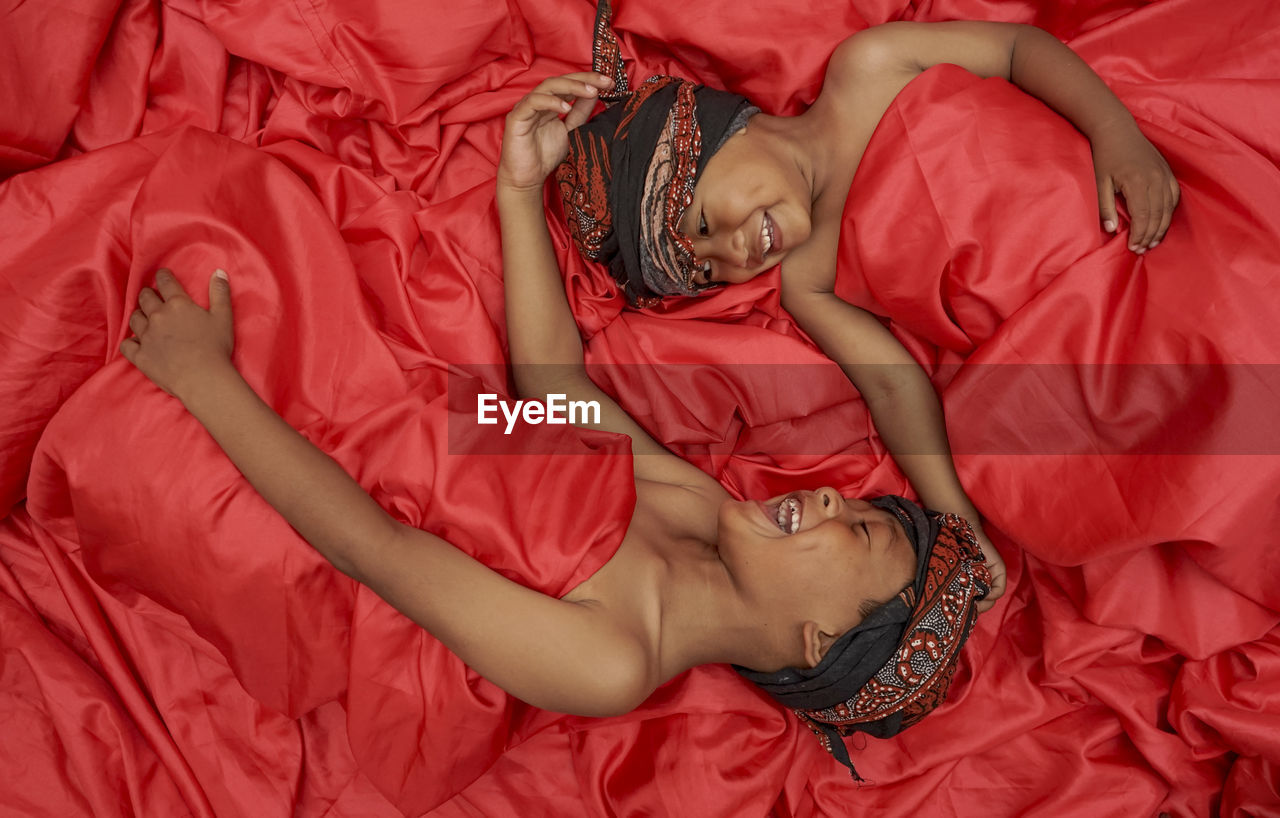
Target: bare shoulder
<point x="896" y="52"/>
<point x="883" y="50"/>
<point x="864" y="75"/>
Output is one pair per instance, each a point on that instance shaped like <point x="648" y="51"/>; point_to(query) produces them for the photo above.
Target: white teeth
<point x="766" y="236"/>
<point x="788" y="516"/>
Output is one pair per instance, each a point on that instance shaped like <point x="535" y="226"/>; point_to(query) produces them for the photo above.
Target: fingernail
<point x="1154" y="245"/>
<point x="1109" y="225"/>
<point x="220" y="273"/>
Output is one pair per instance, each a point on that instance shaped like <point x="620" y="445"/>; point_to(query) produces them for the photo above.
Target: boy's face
<point x="750" y="208"/>
<point x="815" y="554"/>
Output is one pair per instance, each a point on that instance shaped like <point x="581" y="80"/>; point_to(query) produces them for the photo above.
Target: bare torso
<point x="670" y="540"/>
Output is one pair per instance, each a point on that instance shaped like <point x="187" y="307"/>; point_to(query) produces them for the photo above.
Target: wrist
<point x="1118" y="125"/>
<point x="511" y="193"/>
<point x="207" y="386"/>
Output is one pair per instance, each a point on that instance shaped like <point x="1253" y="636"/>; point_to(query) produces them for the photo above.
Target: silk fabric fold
<point x="169" y="646"/>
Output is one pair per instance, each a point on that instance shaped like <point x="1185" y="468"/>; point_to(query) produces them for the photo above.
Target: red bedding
<point x="168" y="645"/>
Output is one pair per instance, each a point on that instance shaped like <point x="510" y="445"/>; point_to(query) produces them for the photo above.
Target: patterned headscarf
<point x="630" y="172"/>
<point x="887" y="673"/>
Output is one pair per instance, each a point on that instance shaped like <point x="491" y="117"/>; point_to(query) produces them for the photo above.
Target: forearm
<point x="541" y="329"/>
<point x="909" y="419"/>
<point x="1044" y="67"/>
<point x="903" y="404"/>
<point x="311" y="491"/>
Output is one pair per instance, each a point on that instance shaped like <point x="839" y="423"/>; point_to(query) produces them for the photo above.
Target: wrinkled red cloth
<point x="169" y="646"/>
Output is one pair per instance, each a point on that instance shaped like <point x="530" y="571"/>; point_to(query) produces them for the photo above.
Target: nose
<point x="831" y="501"/>
<point x="727" y="248"/>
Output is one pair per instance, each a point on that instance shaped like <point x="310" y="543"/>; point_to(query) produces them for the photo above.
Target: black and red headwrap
<point x="631" y="170"/>
<point x="887" y="673"/>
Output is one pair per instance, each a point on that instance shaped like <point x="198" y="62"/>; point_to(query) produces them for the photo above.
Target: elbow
<point x="366" y="559"/>
<point x="898" y="388"/>
<point x="1025" y="39"/>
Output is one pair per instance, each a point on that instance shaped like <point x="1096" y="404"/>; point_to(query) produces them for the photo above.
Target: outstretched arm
<point x="501" y="629"/>
<point x="545" y="347"/>
<point x="877" y="63"/>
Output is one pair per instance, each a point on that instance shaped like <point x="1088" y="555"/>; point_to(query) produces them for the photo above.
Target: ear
<point x="816" y="643"/>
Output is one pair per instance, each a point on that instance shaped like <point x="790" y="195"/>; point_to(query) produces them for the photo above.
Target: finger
<point x="1139" y="216"/>
<point x="129" y="349"/>
<point x="1166" y="216"/>
<point x="534" y="104"/>
<point x="1107" y="204"/>
<point x="1155" y="213"/>
<point x="168" y="286"/>
<point x="1155" y="210"/>
<point x="220" y="296"/>
<point x="1171" y="204"/>
<point x="149" y="301"/>
<point x="137" y="323"/>
<point x="580" y="112"/>
<point x="577" y="84"/>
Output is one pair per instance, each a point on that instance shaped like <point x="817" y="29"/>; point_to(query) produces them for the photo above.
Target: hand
<point x="536" y="139"/>
<point x="1125" y="161"/>
<point x="176" y="342"/>
<point x="995" y="565"/>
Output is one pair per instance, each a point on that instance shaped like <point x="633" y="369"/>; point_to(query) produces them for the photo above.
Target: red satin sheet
<point x="170" y="647"/>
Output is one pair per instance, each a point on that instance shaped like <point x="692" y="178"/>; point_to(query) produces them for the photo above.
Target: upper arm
<point x="903" y="49"/>
<point x="553" y="654"/>
<point x="874" y="359"/>
<point x="651" y="460"/>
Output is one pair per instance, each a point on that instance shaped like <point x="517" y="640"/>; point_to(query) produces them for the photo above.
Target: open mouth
<point x="768" y="235"/>
<point x="787" y="515"/>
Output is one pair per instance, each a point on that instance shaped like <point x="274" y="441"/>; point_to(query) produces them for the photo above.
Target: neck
<point x="705" y="620"/>
<point x="804" y="141"/>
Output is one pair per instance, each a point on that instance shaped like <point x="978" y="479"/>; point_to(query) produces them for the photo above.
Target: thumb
<point x="1107" y="204"/>
<point x="220" y="295"/>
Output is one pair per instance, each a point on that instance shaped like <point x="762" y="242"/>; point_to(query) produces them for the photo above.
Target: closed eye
<point x="702" y="224"/>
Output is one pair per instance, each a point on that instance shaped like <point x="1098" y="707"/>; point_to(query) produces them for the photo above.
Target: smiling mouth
<point x="787" y="515"/>
<point x="768" y="235"/>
